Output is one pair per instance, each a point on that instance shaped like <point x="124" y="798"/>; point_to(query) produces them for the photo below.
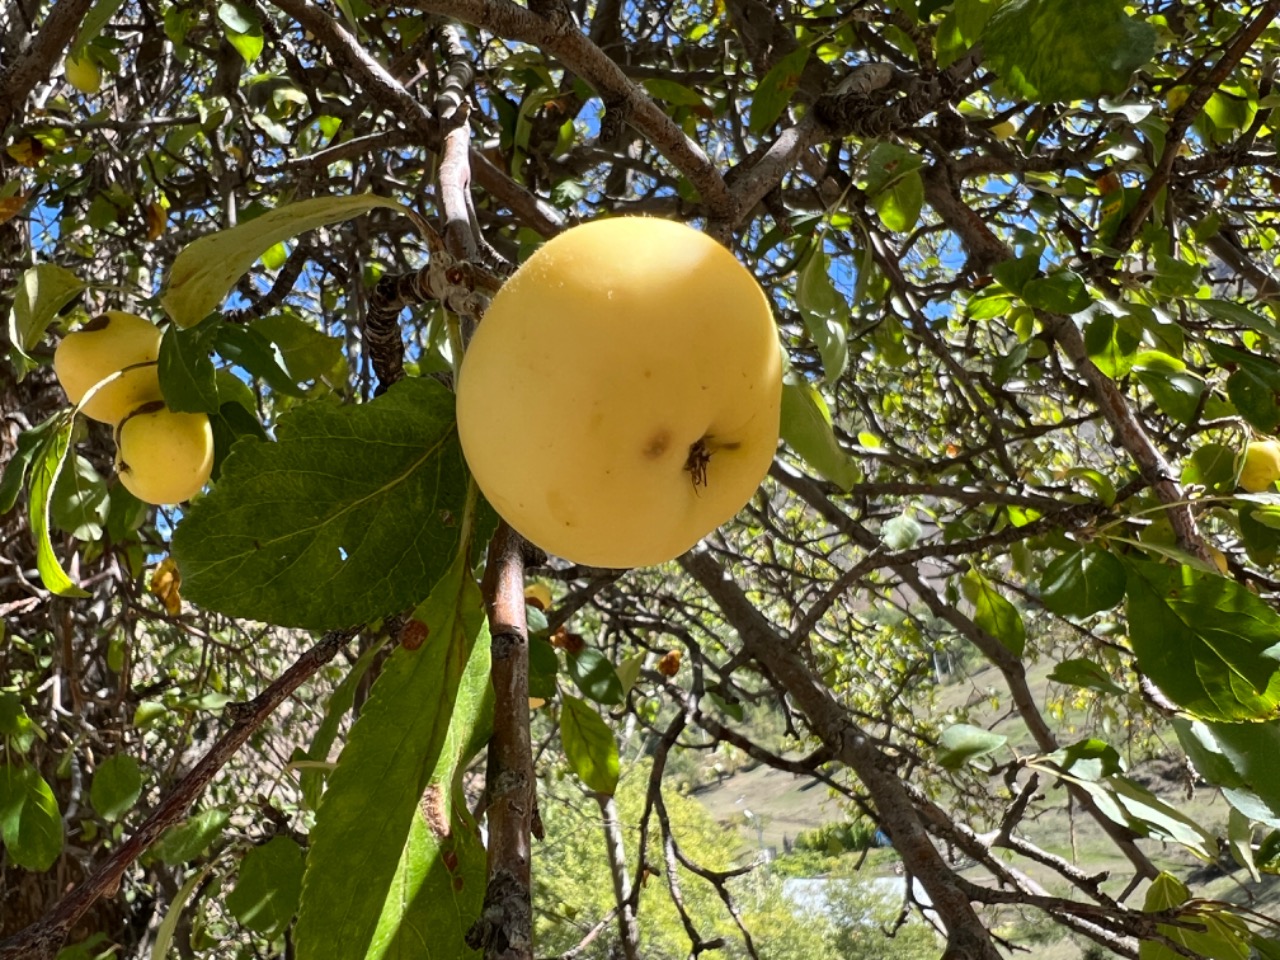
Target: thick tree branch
<point x="385" y="90"/>
<point x="967" y="938"/>
<point x="505" y="928"/>
<point x="455" y="133"/>
<point x="35" y="63"/>
<point x="997" y="653"/>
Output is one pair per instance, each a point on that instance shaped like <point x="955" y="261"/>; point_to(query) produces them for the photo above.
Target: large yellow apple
<point x="620" y="398"/>
<point x="103" y="346"/>
<point x="163" y="456"/>
<point x="1261" y="467"/>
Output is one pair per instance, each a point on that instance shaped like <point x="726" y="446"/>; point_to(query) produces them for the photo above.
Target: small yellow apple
<point x="1004" y="129"/>
<point x="620" y="399"/>
<point x="538" y="595"/>
<point x="1261" y="468"/>
<point x="82" y="73"/>
<point x="103" y="346"/>
<point x="162" y="456"/>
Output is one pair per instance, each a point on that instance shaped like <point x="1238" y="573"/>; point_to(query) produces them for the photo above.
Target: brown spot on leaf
<point x="413" y="634"/>
<point x="433" y="813"/>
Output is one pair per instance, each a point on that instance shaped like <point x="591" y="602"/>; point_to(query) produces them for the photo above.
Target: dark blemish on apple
<point x="657" y="445"/>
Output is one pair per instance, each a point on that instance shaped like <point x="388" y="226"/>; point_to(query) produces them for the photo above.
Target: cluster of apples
<point x="161" y="456"/>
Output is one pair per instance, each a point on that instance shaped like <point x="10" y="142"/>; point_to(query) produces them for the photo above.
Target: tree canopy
<point x="1017" y="548"/>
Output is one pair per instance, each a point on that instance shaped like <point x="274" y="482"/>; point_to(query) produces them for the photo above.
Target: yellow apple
<point x="538" y="595"/>
<point x="162" y="456"/>
<point x="103" y="346"/>
<point x="82" y="73"/>
<point x="1261" y="468"/>
<point x="620" y="398"/>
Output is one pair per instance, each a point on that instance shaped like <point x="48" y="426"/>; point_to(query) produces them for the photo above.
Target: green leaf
<point x="994" y="614"/>
<point x="117" y="784"/>
<point x="1061" y="292"/>
<point x="389" y="759"/>
<point x="308" y="354"/>
<point x="901" y="533"/>
<point x="589" y="746"/>
<point x="99" y="16"/>
<point x="1175" y="390"/>
<point x="1165" y="893"/>
<point x="1261" y="539"/>
<point x="433" y="871"/>
<point x="1137" y="808"/>
<point x="1212" y="466"/>
<point x="887" y="164"/>
<point x="1240" y="758"/>
<point x="593" y="674"/>
<point x="340" y="703"/>
<point x="1255" y="399"/>
<point x="444" y="861"/>
<point x="15" y="724"/>
<point x="776" y="89"/>
<point x="79" y="505"/>
<point x="825" y="313"/>
<point x="268" y="887"/>
<point x="960" y="29"/>
<point x="1085" y="673"/>
<point x="41" y="293"/>
<point x="543" y="667"/>
<point x="1206" y="641"/>
<point x="340" y="521"/>
<point x="1253" y="385"/>
<point x="961" y="743"/>
<point x="30" y="823"/>
<point x="1215" y="933"/>
<point x="1045" y="50"/>
<point x="1240" y="837"/>
<point x="243" y="30"/>
<point x="674" y="93"/>
<point x="1111" y="344"/>
<point x="30" y="444"/>
<point x="1088" y="760"/>
<point x="1239" y="314"/>
<point x="806" y="427"/>
<point x="1083" y="582"/>
<point x="187" y="840"/>
<point x="229" y="424"/>
<point x="249" y="349"/>
<point x="46" y="465"/>
<point x="899" y="204"/>
<point x="206" y="270"/>
<point x="169" y="925"/>
<point x="629" y="672"/>
<point x="187" y="377"/>
<point x="1015" y="273"/>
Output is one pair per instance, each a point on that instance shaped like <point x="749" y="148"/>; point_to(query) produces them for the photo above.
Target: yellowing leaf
<point x="166" y="585"/>
<point x="205" y="271"/>
<point x="10" y="207"/>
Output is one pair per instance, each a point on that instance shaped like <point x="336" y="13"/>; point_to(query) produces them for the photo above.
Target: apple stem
<point x="696" y="464"/>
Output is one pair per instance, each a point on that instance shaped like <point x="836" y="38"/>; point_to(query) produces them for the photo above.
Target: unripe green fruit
<point x="103" y="346"/>
<point x="162" y="456"/>
<point x="1261" y="467"/>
